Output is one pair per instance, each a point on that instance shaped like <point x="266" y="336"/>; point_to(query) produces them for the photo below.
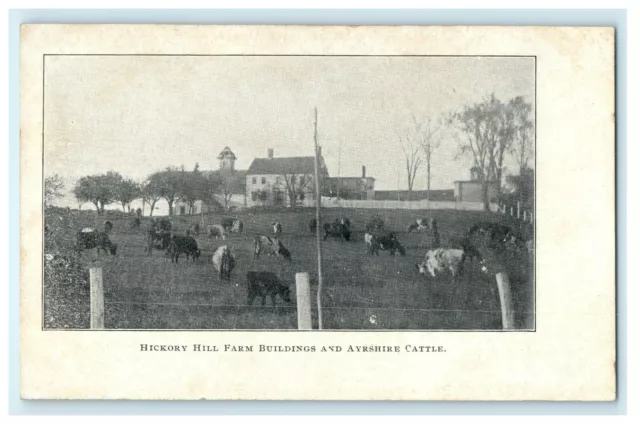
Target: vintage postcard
<point x="317" y="213"/>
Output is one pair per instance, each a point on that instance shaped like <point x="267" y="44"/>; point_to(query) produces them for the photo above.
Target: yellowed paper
<point x="135" y="99"/>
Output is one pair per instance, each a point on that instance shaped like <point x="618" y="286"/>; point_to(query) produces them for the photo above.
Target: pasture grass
<point x="361" y="292"/>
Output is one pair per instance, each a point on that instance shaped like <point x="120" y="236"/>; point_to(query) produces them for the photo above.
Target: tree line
<point x="172" y="184"/>
<point x="487" y="132"/>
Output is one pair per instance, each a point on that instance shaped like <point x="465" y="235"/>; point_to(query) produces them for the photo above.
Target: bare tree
<point x="479" y="127"/>
<point x="412" y="160"/>
<point x="227" y="187"/>
<point x="429" y="136"/>
<point x="295" y="186"/>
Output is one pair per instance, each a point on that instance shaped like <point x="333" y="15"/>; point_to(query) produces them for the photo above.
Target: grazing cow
<point x="271" y="246"/>
<point x="413" y="227"/>
<point x="384" y="242"/>
<point x="277" y="229"/>
<point x="216" y="232"/>
<point x="194" y="229"/>
<point x="136" y="222"/>
<point x="227" y="223"/>
<point x="313" y="225"/>
<point x="262" y="284"/>
<point x="223" y="262"/>
<point x="376" y="224"/>
<point x="183" y="244"/>
<point x="438" y="261"/>
<point x="90" y="238"/>
<point x="237" y="227"/>
<point x="108" y="226"/>
<point x="337" y="230"/>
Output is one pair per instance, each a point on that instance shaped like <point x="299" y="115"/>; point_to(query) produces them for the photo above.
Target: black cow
<point x="337" y="230"/>
<point x="385" y="242"/>
<point x="136" y="222"/>
<point x="263" y="284"/>
<point x="90" y="238"/>
<point x="183" y="244"/>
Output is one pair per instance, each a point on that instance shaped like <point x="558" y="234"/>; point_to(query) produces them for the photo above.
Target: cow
<point x="346" y="223"/>
<point x="183" y="244"/>
<point x="313" y="223"/>
<point x="237" y="227"/>
<point x="337" y="229"/>
<point x="227" y="223"/>
<point x="194" y="229"/>
<point x="224" y="261"/>
<point x="136" y="222"/>
<point x="277" y="229"/>
<point x="271" y="246"/>
<point x="441" y="260"/>
<point x="384" y="242"/>
<point x="375" y="224"/>
<point x="216" y="232"/>
<point x="262" y="284"/>
<point x="90" y="238"/>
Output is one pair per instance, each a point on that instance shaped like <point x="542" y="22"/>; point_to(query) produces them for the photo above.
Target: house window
<point x="264" y="180"/>
<point x="253" y="181"/>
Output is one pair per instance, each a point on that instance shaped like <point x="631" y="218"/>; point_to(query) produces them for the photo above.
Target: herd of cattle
<point x="437" y="260"/>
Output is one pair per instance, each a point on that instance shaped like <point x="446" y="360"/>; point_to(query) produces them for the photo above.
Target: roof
<point x="226" y="152"/>
<point x="292" y="165"/>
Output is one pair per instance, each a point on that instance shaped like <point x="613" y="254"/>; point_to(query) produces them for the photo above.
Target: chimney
<point x="364" y="171"/>
<point x="270" y="153"/>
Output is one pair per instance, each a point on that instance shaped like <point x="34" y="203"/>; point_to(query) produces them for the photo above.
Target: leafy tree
<point x="168" y="184"/>
<point x="150" y="193"/>
<point x="126" y="191"/>
<point x="53" y="187"/>
<point x="97" y="189"/>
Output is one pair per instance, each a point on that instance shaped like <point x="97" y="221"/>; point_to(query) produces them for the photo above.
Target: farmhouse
<point x="278" y="181"/>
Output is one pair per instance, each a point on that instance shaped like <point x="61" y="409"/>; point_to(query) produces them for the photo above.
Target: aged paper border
<point x="571" y="356"/>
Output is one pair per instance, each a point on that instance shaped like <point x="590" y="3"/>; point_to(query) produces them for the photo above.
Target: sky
<point x="139" y="114"/>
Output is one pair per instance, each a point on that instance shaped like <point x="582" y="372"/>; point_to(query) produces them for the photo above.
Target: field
<point x="361" y="292"/>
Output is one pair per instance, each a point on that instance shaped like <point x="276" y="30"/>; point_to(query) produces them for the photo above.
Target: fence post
<point x="518" y="207"/>
<point x="97" y="299"/>
<point x="511" y="211"/>
<point x="303" y="298"/>
<point x="506" y="301"/>
<point x="524" y="216"/>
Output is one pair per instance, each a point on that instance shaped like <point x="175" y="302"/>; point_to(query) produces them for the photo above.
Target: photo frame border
<point x="541" y="17"/>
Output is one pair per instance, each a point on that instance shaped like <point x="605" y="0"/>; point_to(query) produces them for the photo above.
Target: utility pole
<point x="318" y="224"/>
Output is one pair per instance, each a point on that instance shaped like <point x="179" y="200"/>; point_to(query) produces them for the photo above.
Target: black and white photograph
<point x="286" y="192"/>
